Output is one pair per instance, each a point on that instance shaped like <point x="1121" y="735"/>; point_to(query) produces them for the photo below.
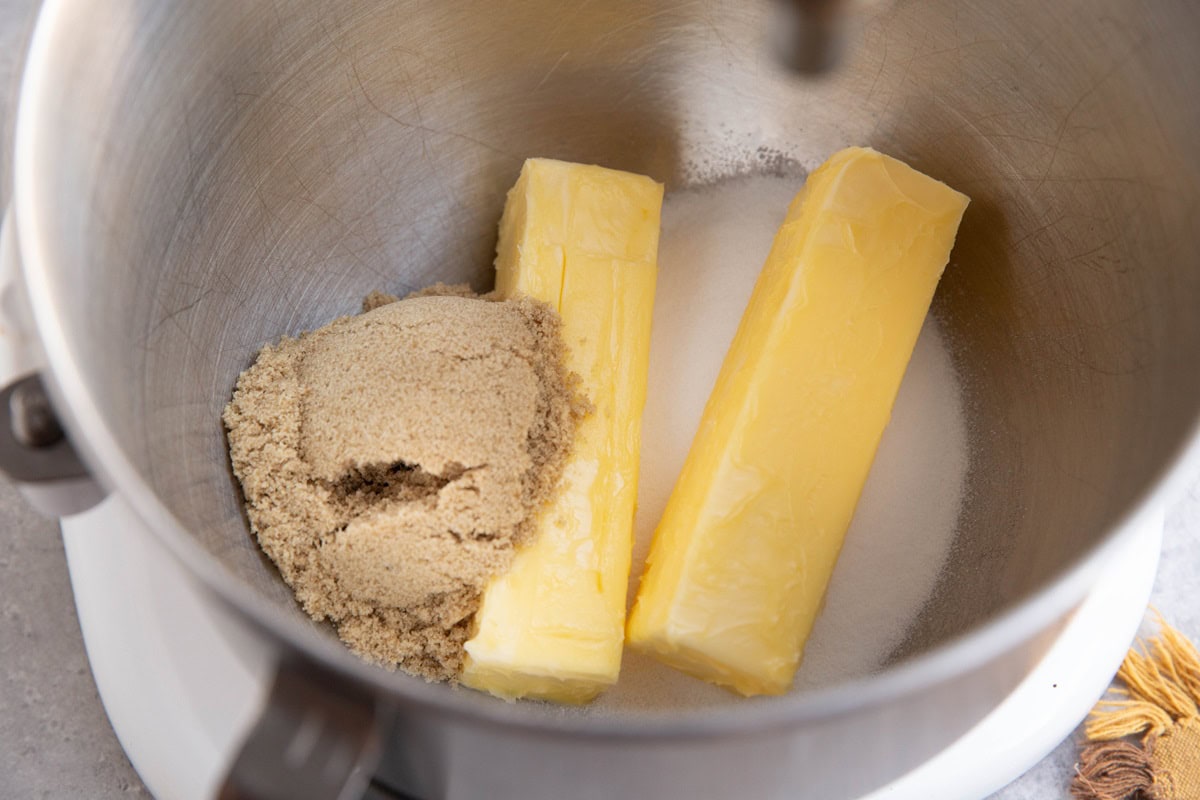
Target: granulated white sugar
<point x="714" y="241"/>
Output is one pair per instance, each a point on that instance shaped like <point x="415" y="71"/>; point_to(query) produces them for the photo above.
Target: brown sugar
<point x="392" y="461"/>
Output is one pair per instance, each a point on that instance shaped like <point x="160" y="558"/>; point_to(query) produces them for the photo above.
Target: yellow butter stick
<point x="743" y="554"/>
<point x="585" y="240"/>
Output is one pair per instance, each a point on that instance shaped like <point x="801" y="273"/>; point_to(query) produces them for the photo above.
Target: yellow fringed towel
<point x="1160" y="702"/>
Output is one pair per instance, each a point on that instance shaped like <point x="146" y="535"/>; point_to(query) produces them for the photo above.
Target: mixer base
<point x="180" y="695"/>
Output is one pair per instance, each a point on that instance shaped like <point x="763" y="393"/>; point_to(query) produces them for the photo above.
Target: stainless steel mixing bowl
<point x="194" y="179"/>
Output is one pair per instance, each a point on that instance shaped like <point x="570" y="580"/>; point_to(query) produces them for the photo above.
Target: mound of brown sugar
<point x="392" y="461"/>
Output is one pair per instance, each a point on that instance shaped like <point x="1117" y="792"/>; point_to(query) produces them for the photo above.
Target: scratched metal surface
<point x="305" y="153"/>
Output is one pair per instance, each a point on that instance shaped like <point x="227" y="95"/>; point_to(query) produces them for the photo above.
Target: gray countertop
<point x="55" y="741"/>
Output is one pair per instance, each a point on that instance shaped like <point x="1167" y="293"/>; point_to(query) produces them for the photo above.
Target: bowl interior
<point x="225" y="173"/>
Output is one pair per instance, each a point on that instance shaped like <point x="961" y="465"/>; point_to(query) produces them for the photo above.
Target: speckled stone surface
<point x="55" y="741"/>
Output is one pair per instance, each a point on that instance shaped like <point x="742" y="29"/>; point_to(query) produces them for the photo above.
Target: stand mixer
<point x="213" y="150"/>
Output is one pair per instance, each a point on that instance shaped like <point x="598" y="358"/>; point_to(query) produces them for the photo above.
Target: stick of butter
<point x="585" y="240"/>
<point x="744" y="551"/>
